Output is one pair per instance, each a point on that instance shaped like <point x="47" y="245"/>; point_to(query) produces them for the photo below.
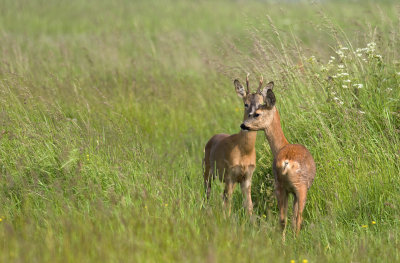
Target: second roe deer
<point x="233" y="157"/>
<point x="293" y="166"/>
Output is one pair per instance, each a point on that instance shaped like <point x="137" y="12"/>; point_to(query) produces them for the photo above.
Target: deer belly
<point x="241" y="172"/>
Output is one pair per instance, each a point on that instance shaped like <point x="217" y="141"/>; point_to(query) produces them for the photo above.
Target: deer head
<point x="261" y="111"/>
<point x="252" y="101"/>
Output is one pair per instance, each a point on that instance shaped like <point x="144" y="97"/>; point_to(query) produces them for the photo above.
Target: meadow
<point x="106" y="106"/>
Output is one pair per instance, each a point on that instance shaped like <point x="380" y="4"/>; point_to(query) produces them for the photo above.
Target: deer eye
<point x="256" y="115"/>
<point x="246" y="105"/>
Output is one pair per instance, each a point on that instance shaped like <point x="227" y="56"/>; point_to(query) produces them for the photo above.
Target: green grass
<point x="105" y="107"/>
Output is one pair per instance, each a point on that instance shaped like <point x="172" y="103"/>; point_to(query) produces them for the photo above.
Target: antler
<point x="247" y="83"/>
<point x="260" y="85"/>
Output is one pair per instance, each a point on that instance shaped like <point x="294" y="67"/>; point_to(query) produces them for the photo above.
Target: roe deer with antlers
<point x="293" y="166"/>
<point x="233" y="157"/>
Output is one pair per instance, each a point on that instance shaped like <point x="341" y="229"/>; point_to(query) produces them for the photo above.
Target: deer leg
<point x="295" y="209"/>
<point x="246" y="191"/>
<point x="282" y="197"/>
<point x="207" y="180"/>
<point x="302" y="197"/>
<point x="229" y="186"/>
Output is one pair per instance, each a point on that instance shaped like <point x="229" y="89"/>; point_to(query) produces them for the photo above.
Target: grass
<point x="105" y="108"/>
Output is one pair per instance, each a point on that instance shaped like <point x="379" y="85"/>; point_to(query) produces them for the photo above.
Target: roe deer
<point x="233" y="157"/>
<point x="293" y="166"/>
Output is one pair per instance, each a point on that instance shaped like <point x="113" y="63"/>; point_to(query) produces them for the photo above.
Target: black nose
<point x="244" y="127"/>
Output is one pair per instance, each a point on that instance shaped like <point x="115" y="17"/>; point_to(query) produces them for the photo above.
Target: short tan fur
<point x="293" y="166"/>
<point x="233" y="157"/>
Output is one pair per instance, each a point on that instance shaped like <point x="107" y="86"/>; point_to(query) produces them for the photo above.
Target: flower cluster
<point x="345" y="72"/>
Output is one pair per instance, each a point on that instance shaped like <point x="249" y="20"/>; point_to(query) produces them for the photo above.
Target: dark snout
<point x="244" y="127"/>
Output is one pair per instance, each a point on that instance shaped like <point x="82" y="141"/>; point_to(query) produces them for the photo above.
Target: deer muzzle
<point x="244" y="127"/>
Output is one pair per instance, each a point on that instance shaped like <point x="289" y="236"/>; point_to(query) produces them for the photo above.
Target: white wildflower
<point x="361" y="112"/>
<point x="398" y="73"/>
<point x="340" y="53"/>
<point x="338" y="100"/>
<point x="340" y="66"/>
<point x="344" y="86"/>
<point x="346" y="81"/>
<point x="389" y="89"/>
<point x="344" y="48"/>
<point x="371" y="45"/>
<point x="358" y="86"/>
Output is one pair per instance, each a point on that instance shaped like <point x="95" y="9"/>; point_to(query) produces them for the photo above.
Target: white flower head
<point x="340" y="53"/>
<point x="358" y="86"/>
<point x="371" y="45"/>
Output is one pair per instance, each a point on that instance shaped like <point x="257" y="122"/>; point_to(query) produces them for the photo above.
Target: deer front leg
<point x="282" y="197"/>
<point x="246" y="191"/>
<point x="227" y="197"/>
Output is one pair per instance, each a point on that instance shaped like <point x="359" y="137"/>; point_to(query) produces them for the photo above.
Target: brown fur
<point x="293" y="166"/>
<point x="233" y="157"/>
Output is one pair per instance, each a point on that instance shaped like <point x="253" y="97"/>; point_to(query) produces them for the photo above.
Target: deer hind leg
<point x="302" y="197"/>
<point x="245" y="185"/>
<point x="295" y="209"/>
<point x="282" y="197"/>
<point x="227" y="197"/>
<point x="206" y="170"/>
<point x="207" y="175"/>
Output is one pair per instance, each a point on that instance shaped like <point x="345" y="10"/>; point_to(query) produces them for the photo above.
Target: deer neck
<point x="274" y="134"/>
<point x="247" y="141"/>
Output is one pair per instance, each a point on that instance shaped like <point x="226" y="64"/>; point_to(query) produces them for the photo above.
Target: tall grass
<point x="105" y="108"/>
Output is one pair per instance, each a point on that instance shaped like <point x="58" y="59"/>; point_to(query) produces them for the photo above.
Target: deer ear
<point x="240" y="91"/>
<point x="268" y="95"/>
<point x="270" y="99"/>
<point x="269" y="86"/>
